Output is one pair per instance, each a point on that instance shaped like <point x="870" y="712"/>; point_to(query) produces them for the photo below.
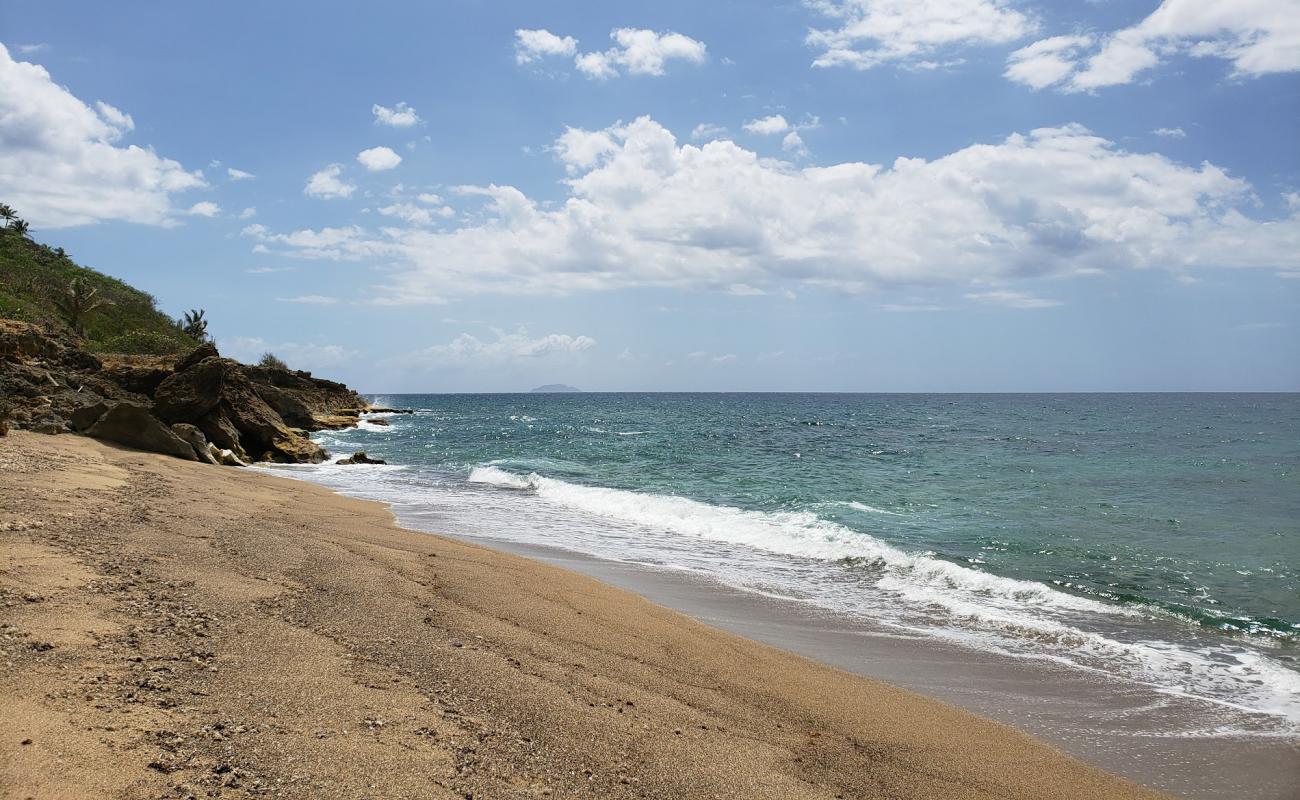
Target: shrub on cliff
<point x="272" y="361"/>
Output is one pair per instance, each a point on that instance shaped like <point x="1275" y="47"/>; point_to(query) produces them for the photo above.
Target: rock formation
<point x="200" y="407"/>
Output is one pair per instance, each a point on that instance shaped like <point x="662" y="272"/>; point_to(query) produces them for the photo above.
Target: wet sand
<point x="179" y="630"/>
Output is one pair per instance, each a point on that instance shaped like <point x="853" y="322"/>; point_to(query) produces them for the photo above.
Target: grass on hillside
<point x="33" y="276"/>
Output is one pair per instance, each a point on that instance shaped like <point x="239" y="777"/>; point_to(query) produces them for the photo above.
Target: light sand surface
<point x="173" y="629"/>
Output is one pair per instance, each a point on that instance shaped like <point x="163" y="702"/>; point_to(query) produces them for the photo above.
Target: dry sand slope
<point x="173" y="629"/>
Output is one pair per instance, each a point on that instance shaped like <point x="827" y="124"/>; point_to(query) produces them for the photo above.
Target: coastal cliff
<point x="200" y="407"/>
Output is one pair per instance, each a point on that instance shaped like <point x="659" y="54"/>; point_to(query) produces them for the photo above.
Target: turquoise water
<point x="1152" y="537"/>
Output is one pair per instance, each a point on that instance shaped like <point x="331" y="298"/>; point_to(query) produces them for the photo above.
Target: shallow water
<point x="1149" y="541"/>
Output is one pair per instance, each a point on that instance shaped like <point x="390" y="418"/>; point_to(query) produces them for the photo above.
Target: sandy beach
<point x="173" y="629"/>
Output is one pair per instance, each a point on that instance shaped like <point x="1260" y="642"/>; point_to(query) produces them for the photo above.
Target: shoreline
<point x="1146" y="735"/>
<point x="191" y="627"/>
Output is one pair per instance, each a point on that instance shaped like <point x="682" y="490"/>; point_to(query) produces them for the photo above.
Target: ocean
<point x="1150" y="540"/>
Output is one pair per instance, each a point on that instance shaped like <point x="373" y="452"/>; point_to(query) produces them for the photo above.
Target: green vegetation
<point x="272" y="361"/>
<point x="41" y="284"/>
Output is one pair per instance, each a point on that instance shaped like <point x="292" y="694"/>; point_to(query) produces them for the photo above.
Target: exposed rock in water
<point x="360" y="457"/>
<point x="133" y="425"/>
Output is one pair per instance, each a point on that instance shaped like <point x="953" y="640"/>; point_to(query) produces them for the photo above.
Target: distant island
<point x="555" y="388"/>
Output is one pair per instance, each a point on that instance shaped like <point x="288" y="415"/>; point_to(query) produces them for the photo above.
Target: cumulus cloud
<point x="506" y="347"/>
<point x="328" y="183"/>
<point x="238" y="174"/>
<point x="644" y="210"/>
<point x="399" y="116"/>
<point x="1170" y="133"/>
<point x="205" y="208"/>
<point x="248" y="213"/>
<point x="1257" y="37"/>
<point x="532" y="45"/>
<point x="869" y="33"/>
<point x="61" y="164"/>
<point x="378" y="159"/>
<point x="636" y="51"/>
<point x="767" y="126"/>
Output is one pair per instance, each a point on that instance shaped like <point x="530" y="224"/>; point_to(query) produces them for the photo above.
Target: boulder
<point x="132" y="425"/>
<point x="360" y="457"/>
<point x="222" y="434"/>
<point x="189" y="395"/>
<point x="197" y="356"/>
<point x="224" y="457"/>
<point x="137" y="379"/>
<point x="82" y="418"/>
<point x="195" y="439"/>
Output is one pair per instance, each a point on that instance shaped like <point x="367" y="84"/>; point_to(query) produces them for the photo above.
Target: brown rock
<point x="195" y="439"/>
<point x="132" y="425"/>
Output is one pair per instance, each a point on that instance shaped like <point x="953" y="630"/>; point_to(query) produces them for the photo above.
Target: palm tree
<point x="79" y="300"/>
<point x="194" y="325"/>
<point x="18" y="226"/>
<point x="7" y="213"/>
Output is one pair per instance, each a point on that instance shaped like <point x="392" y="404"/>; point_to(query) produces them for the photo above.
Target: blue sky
<point x="837" y="195"/>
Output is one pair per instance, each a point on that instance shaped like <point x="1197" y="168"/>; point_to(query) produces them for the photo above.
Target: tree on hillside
<point x="78" y="301"/>
<point x="19" y="227"/>
<point x="272" y="361"/>
<point x="194" y="325"/>
<point x="7" y="213"/>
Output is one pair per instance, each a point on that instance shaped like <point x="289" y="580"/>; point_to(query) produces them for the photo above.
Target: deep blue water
<point x="1153" y="536"/>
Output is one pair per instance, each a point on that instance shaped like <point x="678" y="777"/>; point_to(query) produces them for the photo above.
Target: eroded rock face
<point x="132" y="425"/>
<point x="217" y="396"/>
<point x="53" y="385"/>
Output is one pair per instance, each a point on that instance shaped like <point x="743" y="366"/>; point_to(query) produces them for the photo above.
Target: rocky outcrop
<point x="132" y="425"/>
<point x="216" y="408"/>
<point x="360" y="457"/>
<point x="218" y="397"/>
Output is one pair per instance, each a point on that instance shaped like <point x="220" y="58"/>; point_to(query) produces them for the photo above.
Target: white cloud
<point x="507" y="347"/>
<point x="328" y="184"/>
<point x="1170" y="133"/>
<point x="248" y="213"/>
<point x="768" y="126"/>
<point x="636" y="51"/>
<point x="793" y="144"/>
<point x="429" y="197"/>
<point x="28" y="49"/>
<point x="869" y="33"/>
<point x="706" y="130"/>
<point x="298" y="355"/>
<point x="1011" y="299"/>
<point x="267" y="270"/>
<point x="310" y="300"/>
<point x="399" y="116"/>
<point x="532" y="45"/>
<point x="238" y="174"/>
<point x="378" y="159"/>
<point x="580" y="150"/>
<point x="648" y="211"/>
<point x="205" y="208"/>
<point x="60" y="164"/>
<point x="416" y="215"/>
<point x="115" y="118"/>
<point x="1258" y="37"/>
<point x="1047" y="61"/>
<point x="640" y="51"/>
